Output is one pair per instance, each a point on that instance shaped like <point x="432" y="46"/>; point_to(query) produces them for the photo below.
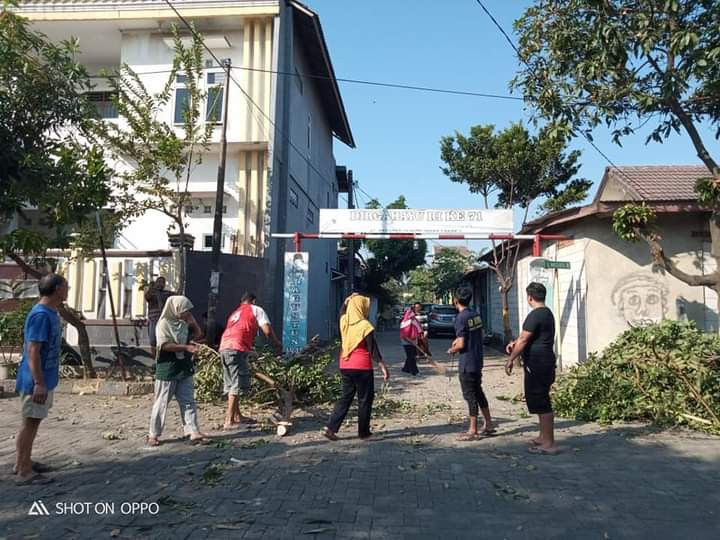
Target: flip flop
<point x="36" y="479"/>
<point x="38" y="468"/>
<point x="488" y="432"/>
<point x="465" y="437"/>
<point x="540" y="451"/>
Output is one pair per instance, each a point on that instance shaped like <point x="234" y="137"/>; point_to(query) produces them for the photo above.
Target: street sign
<point x="560" y="265"/>
<point x="335" y="275"/>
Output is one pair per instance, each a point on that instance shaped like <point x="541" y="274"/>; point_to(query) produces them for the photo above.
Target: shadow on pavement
<point x="628" y="482"/>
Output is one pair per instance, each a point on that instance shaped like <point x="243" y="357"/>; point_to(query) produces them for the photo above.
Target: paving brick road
<point x="417" y="481"/>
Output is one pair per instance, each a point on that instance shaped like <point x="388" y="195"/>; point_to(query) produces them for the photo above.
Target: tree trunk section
<point x="507" y="330"/>
<point x="83" y="340"/>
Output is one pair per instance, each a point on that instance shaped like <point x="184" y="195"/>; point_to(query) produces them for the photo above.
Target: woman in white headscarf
<point x="174" y="368"/>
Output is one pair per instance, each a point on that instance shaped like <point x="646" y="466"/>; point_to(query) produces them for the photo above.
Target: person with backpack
<point x="411" y="332"/>
<point x="237" y="341"/>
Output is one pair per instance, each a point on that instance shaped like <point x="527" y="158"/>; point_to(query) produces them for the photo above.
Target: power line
<point x="402" y="86"/>
<point x="370" y="197"/>
<point x="499" y="27"/>
<point x="517" y="52"/>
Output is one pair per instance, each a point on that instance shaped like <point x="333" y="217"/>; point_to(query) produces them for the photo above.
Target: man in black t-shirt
<point x="469" y="343"/>
<point x="536" y="346"/>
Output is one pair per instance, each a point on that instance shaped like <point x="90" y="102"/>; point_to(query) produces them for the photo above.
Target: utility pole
<point x="217" y="222"/>
<point x="351" y="243"/>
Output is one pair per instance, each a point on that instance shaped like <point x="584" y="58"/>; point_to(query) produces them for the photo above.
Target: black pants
<point x="410" y="359"/>
<point x="539" y="377"/>
<point x="471" y="385"/>
<point x="362" y="382"/>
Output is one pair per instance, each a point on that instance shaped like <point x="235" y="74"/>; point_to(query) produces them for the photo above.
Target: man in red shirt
<point x="237" y="341"/>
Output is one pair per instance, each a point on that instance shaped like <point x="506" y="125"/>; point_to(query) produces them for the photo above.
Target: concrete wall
<point x="238" y="274"/>
<point x="625" y="289"/>
<point x="613" y="284"/>
<point x="569" y="302"/>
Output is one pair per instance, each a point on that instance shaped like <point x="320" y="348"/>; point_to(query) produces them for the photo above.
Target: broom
<point x="428" y="357"/>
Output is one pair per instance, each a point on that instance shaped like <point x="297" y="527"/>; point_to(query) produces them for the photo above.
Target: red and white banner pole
<point x="298" y="237"/>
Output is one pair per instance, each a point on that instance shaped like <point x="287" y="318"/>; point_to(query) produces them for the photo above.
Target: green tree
<point x="447" y="270"/>
<point x="421" y="284"/>
<point x="161" y="157"/>
<point x="515" y="169"/>
<point x="396" y="257"/>
<point x="390" y="259"/>
<point x="436" y="282"/>
<point x="625" y="64"/>
<point x="49" y="166"/>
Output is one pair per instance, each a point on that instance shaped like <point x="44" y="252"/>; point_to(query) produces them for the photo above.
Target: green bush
<point x="667" y="373"/>
<point x="12" y="325"/>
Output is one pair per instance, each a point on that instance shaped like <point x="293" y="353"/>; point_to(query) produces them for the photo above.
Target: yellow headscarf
<point x="170" y="328"/>
<point x="354" y="324"/>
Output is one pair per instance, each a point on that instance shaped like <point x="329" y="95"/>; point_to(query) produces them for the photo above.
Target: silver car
<point x="441" y="320"/>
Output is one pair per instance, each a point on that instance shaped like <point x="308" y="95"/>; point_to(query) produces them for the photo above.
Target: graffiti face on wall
<point x="640" y="299"/>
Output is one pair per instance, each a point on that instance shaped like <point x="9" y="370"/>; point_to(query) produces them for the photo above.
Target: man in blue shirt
<point x="38" y="374"/>
<point x="469" y="343"/>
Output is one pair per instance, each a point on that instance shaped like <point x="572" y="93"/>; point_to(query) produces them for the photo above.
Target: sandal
<point x="328" y="434"/>
<point x="489" y="432"/>
<point x="36" y="479"/>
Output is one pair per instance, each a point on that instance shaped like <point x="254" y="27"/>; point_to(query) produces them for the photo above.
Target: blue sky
<point x="449" y="44"/>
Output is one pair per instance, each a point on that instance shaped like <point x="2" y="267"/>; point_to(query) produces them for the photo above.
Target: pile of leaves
<point x="667" y="373"/>
<point x="307" y="375"/>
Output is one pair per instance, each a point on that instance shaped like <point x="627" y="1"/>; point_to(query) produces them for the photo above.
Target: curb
<point x="95" y="386"/>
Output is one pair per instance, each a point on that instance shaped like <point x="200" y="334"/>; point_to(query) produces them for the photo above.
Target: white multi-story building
<point x="282" y="118"/>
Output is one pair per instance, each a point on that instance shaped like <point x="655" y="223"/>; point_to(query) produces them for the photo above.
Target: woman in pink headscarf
<point x="410" y="332"/>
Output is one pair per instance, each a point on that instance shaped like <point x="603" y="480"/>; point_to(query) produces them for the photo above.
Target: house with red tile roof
<point x="601" y="285"/>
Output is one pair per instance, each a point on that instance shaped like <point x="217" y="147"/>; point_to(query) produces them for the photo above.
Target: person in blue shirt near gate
<point x="469" y="343"/>
<point x="38" y="374"/>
